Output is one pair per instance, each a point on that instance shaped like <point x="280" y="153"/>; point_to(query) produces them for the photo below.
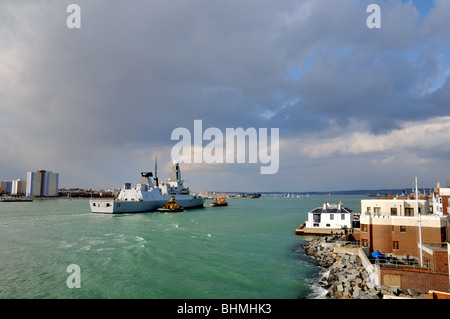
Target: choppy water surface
<point x="246" y="250"/>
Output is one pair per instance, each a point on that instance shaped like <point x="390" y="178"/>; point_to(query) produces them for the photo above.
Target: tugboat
<point x="171" y="207"/>
<point x="220" y="201"/>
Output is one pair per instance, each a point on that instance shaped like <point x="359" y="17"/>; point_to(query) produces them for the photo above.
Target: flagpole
<point x="420" y="226"/>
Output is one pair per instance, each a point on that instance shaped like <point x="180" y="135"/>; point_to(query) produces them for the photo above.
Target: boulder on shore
<point x="347" y="278"/>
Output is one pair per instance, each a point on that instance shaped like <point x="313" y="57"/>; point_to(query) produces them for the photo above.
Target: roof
<point x="332" y="209"/>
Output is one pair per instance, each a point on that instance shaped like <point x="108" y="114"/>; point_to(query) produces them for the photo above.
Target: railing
<point x="347" y="244"/>
<point x="389" y="214"/>
<point x="390" y="261"/>
<point x="439" y="244"/>
<point x="394" y="262"/>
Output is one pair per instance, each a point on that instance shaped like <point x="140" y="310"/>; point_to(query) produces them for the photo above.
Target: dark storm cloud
<point x="381" y="77"/>
<point x="136" y="70"/>
<point x="142" y="65"/>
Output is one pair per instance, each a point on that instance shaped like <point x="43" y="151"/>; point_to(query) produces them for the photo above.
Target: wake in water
<point x="314" y="281"/>
<point x="103" y="243"/>
<point x="317" y="285"/>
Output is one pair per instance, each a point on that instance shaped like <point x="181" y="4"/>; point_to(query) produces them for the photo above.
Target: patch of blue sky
<point x="423" y="7"/>
<point x="413" y="54"/>
<point x="298" y="73"/>
<point x="443" y="75"/>
<point x="343" y="54"/>
<point x="269" y="114"/>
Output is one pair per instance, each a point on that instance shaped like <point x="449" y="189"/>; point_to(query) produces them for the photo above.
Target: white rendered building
<point x="330" y="216"/>
<point x="441" y="200"/>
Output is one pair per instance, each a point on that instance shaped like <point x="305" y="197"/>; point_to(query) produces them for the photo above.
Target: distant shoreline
<point x="84" y="193"/>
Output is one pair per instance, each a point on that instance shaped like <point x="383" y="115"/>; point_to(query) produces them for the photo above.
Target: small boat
<point x="220" y="201"/>
<point x="171" y="207"/>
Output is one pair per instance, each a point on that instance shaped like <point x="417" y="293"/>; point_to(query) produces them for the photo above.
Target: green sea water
<point x="245" y="250"/>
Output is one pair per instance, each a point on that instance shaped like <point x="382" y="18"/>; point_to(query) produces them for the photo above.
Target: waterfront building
<point x="330" y="216"/>
<point x="441" y="200"/>
<point x="392" y="226"/>
<point x="18" y="187"/>
<point x="6" y="187"/>
<point x="42" y="183"/>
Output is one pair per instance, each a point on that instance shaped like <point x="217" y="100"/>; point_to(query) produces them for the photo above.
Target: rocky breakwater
<point x="346" y="277"/>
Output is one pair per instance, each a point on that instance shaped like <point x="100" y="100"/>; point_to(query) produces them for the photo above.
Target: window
<point x="403" y="229"/>
<point x="365" y="243"/>
<point x="409" y="211"/>
<point x="364" y="227"/>
<point x="331" y="216"/>
<point x="377" y="210"/>
<point x="393" y="211"/>
<point x="342" y="216"/>
<point x="369" y="210"/>
<point x="328" y="225"/>
<point x="316" y="218"/>
<point x="395" y="245"/>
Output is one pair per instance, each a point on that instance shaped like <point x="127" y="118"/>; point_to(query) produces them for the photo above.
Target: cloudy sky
<point x="356" y="108"/>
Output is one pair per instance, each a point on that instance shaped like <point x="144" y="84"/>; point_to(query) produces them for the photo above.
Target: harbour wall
<point x="350" y="275"/>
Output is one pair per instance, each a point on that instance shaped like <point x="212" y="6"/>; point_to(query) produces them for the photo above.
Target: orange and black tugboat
<point x="171" y="207"/>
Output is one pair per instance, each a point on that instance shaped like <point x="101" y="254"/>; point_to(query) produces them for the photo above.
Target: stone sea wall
<point x="346" y="277"/>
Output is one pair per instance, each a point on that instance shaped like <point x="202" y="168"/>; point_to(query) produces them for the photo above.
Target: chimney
<point x="390" y="195"/>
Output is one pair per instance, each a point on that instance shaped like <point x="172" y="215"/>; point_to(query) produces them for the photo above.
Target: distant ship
<point x="147" y="196"/>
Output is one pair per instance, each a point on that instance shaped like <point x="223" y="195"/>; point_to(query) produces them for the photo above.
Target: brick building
<point x="391" y="225"/>
<point x="6" y="188"/>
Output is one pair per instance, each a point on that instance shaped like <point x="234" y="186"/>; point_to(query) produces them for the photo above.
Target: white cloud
<point x="411" y="137"/>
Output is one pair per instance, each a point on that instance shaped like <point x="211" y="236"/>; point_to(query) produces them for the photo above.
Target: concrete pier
<point x="15" y="199"/>
<point x="305" y="231"/>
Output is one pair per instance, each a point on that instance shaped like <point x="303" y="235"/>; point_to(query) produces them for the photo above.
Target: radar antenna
<point x="156" y="171"/>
